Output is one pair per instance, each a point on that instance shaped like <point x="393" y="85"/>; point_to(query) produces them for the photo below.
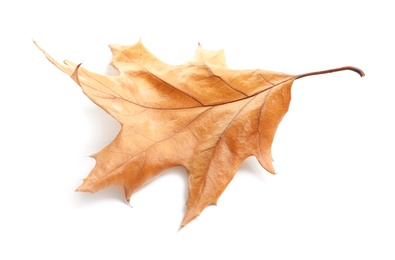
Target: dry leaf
<point x="200" y="115"/>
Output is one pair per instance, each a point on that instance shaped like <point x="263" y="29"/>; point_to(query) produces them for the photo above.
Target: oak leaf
<point x="200" y="115"/>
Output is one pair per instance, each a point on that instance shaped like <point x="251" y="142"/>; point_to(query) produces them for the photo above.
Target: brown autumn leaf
<point x="200" y="115"/>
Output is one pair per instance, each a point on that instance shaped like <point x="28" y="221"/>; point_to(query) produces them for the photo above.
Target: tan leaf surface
<point x="200" y="115"/>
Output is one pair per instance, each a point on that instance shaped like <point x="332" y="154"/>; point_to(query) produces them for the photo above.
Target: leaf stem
<point x="359" y="71"/>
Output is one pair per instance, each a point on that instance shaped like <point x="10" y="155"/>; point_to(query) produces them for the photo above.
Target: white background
<point x="333" y="196"/>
